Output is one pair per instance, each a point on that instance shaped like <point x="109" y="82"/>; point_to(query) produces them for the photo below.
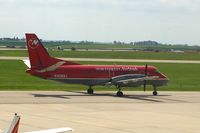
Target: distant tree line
<point x="12" y="39"/>
<point x="122" y="43"/>
<point x="84" y="41"/>
<point x="147" y="43"/>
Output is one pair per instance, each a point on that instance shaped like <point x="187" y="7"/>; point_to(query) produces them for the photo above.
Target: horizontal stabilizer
<point x="27" y="62"/>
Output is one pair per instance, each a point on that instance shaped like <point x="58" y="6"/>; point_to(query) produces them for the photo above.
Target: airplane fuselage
<point x="99" y="74"/>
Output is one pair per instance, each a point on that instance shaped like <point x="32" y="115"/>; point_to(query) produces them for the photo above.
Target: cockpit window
<point x="157" y="71"/>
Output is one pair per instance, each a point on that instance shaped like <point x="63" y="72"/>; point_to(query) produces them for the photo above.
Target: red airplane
<point x="44" y="66"/>
<point x="14" y="126"/>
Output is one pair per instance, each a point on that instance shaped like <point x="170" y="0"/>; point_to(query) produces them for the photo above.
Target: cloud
<point x="103" y="19"/>
<point x="181" y="3"/>
<point x="177" y="1"/>
<point x="123" y="5"/>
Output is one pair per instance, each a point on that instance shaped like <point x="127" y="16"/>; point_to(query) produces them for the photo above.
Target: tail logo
<point x="33" y="43"/>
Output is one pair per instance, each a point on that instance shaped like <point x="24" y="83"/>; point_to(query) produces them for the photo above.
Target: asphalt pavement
<point x="136" y="112"/>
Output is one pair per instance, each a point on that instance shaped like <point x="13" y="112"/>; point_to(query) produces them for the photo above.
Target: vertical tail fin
<point x="38" y="55"/>
<point x="14" y="125"/>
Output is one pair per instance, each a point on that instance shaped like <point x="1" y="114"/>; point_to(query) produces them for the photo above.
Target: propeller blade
<point x="146" y="73"/>
<point x="146" y="70"/>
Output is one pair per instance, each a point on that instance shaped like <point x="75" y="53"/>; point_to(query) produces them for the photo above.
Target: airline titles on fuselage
<point x="116" y="69"/>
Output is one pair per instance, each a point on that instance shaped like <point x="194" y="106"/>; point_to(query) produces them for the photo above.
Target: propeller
<point x="146" y="73"/>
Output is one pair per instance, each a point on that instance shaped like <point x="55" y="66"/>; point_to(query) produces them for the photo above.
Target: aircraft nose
<point x="162" y="76"/>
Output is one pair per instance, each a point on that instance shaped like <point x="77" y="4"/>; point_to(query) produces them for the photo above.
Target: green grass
<point x="112" y="54"/>
<point x="13" y="53"/>
<point x="14" y="77"/>
<point x="183" y="77"/>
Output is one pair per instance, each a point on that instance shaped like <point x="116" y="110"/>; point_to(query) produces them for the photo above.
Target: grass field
<point x="184" y="77"/>
<point x="112" y="54"/>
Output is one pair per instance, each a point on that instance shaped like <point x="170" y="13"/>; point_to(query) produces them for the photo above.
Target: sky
<point x="165" y="21"/>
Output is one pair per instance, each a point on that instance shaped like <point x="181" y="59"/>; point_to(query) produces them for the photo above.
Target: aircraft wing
<point x="56" y="130"/>
<point x="15" y="125"/>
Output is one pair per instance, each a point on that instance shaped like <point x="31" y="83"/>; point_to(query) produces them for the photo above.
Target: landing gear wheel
<point x="90" y="91"/>
<point x="155" y="93"/>
<point x="120" y="94"/>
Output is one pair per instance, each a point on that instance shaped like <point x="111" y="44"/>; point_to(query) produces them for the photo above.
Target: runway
<point x="137" y="112"/>
<point x="114" y="60"/>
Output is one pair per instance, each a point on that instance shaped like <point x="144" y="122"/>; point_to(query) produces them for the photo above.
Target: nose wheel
<point x="120" y="94"/>
<point x="155" y="93"/>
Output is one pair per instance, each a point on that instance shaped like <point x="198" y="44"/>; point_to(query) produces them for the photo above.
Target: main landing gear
<point x="90" y="90"/>
<point x="155" y="93"/>
<point x="119" y="93"/>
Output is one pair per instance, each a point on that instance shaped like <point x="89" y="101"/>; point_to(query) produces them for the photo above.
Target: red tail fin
<point x="14" y="125"/>
<point x="38" y="55"/>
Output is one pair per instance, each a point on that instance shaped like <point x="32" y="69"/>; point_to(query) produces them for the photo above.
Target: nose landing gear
<point x="120" y="94"/>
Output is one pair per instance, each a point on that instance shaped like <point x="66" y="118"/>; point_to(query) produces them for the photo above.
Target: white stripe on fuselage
<point x="52" y="67"/>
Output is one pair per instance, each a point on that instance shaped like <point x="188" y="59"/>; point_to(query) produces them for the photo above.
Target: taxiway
<point x="137" y="112"/>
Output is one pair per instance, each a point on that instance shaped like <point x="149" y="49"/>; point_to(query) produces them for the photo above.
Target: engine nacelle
<point x="126" y="77"/>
